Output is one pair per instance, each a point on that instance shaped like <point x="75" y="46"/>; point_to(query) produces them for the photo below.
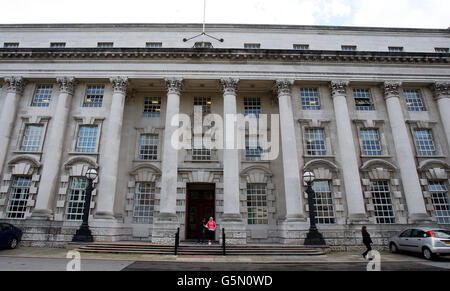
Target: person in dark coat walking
<point x="367" y="241"/>
<point x="202" y="231"/>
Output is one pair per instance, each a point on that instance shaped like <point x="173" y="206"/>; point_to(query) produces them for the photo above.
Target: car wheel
<point x="13" y="244"/>
<point x="427" y="254"/>
<point x="393" y="248"/>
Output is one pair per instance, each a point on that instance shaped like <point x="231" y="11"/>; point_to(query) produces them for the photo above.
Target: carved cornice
<point x="15" y="84"/>
<point x="66" y="84"/>
<point x="229" y="86"/>
<point x="391" y="89"/>
<point x="441" y="90"/>
<point x="120" y="84"/>
<point x="283" y="87"/>
<point x="338" y="88"/>
<point x="174" y="85"/>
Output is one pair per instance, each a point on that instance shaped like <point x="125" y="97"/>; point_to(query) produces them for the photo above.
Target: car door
<point x="403" y="240"/>
<point x="416" y="240"/>
<point x="3" y="240"/>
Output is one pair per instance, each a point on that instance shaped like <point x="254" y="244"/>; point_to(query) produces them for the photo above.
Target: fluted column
<point x="405" y="155"/>
<point x="441" y="92"/>
<point x="14" y="86"/>
<point x="291" y="170"/>
<point x="347" y="152"/>
<point x="170" y="153"/>
<point x="231" y="201"/>
<point x="54" y="150"/>
<point x="110" y="157"/>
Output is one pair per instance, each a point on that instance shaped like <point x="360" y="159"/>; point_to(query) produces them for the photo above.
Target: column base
<point x="165" y="228"/>
<point x="419" y="218"/>
<point x="293" y="232"/>
<point x="235" y="230"/>
<point x="295" y="218"/>
<point x="105" y="215"/>
<point x="358" y="219"/>
<point x="41" y="214"/>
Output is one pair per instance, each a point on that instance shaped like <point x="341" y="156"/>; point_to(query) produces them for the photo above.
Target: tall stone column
<point x="347" y="151"/>
<point x="54" y="151"/>
<point x="164" y="227"/>
<point x="405" y="155"/>
<point x="14" y="86"/>
<point x="441" y="92"/>
<point x="110" y="156"/>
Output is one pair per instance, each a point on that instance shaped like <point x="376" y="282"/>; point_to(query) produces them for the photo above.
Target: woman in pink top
<point x="211" y="225"/>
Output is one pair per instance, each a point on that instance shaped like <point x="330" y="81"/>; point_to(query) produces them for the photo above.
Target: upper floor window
<point x="148" y="148"/>
<point x="363" y="100"/>
<point x="31" y="141"/>
<point x="315" y="142"/>
<point x="57" y="45"/>
<point x="105" y="44"/>
<point x="253" y="150"/>
<point x="94" y="96"/>
<point x="152" y="106"/>
<point x="441" y="201"/>
<point x="395" y="49"/>
<point x="414" y="100"/>
<point x="323" y="202"/>
<point x="310" y="99"/>
<point x="18" y="197"/>
<point x="11" y="45"/>
<point x="349" y="47"/>
<point x="204" y="102"/>
<point x="153" y="45"/>
<point x="252" y="106"/>
<point x="252" y="45"/>
<point x="87" y="139"/>
<point x="77" y="199"/>
<point x="301" y="47"/>
<point x="382" y="202"/>
<point x="42" y="96"/>
<point x="424" y="142"/>
<point x="370" y="141"/>
<point x="144" y="203"/>
<point x="258" y="212"/>
<point x="203" y="44"/>
<point x="441" y="49"/>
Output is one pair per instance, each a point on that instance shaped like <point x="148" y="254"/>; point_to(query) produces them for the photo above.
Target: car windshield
<point x="442" y="233"/>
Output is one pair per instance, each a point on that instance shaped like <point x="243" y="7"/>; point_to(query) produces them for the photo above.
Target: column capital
<point x="174" y="85"/>
<point x="441" y="90"/>
<point x="15" y="84"/>
<point x="391" y="89"/>
<point x="229" y="85"/>
<point x="66" y="84"/>
<point x="338" y="88"/>
<point x="120" y="84"/>
<point x="283" y="87"/>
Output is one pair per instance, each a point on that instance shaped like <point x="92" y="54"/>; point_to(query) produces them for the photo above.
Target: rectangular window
<point x="11" y="45"/>
<point x="323" y="202"/>
<point x="301" y="47"/>
<point x="395" y="49"/>
<point x="87" y="139"/>
<point x="370" y="141"/>
<point x="382" y="202"/>
<point x="253" y="150"/>
<point x="252" y="106"/>
<point x="31" y="141"/>
<point x="105" y="44"/>
<point x="94" y="96"/>
<point x="441" y="201"/>
<point x="200" y="153"/>
<point x="315" y="142"/>
<point x="424" y="142"/>
<point x="153" y="45"/>
<point x="258" y="212"/>
<point x="414" y="100"/>
<point x="205" y="102"/>
<point x="148" y="148"/>
<point x="144" y="203"/>
<point x="349" y="47"/>
<point x="77" y="199"/>
<point x="363" y="100"/>
<point x="442" y="50"/>
<point x="252" y="45"/>
<point x="57" y="45"/>
<point x="152" y="107"/>
<point x="310" y="99"/>
<point x="42" y="96"/>
<point x="17" y="204"/>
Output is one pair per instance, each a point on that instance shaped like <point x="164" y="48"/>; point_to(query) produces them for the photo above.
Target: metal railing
<point x="224" y="252"/>
<point x="177" y="241"/>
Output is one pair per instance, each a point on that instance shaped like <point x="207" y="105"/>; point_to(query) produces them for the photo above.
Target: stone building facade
<point x="366" y="109"/>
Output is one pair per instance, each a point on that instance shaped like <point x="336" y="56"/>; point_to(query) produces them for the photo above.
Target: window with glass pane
<point x="105" y="45"/>
<point x="252" y="106"/>
<point x="148" y="149"/>
<point x="310" y="99"/>
<point x="323" y="202"/>
<point x="414" y="100"/>
<point x="17" y="203"/>
<point x="152" y="107"/>
<point x="144" y="203"/>
<point x="301" y="47"/>
<point x="370" y="141"/>
<point x="11" y="45"/>
<point x="94" y="96"/>
<point x="349" y="47"/>
<point x="258" y="212"/>
<point x="77" y="198"/>
<point x="363" y="100"/>
<point x="253" y="150"/>
<point x="252" y="45"/>
<point x="58" y="45"/>
<point x="442" y="50"/>
<point x="395" y="49"/>
<point x="87" y="139"/>
<point x="153" y="45"/>
<point x="441" y="201"/>
<point x="315" y="142"/>
<point x="42" y="96"/>
<point x="424" y="142"/>
<point x="382" y="202"/>
<point x="200" y="153"/>
<point x="204" y="102"/>
<point x="31" y="141"/>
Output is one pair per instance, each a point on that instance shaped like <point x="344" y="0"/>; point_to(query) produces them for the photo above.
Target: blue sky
<point x="379" y="13"/>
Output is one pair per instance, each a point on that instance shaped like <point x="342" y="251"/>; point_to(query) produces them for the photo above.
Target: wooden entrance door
<point x="200" y="204"/>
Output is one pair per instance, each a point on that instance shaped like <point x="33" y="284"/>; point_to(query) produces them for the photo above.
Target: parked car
<point x="10" y="236"/>
<point x="430" y="242"/>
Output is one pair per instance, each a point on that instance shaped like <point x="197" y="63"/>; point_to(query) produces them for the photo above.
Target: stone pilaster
<point x="14" y="88"/>
<point x="110" y="157"/>
<point x="441" y="91"/>
<point x="52" y="158"/>
<point x="405" y="155"/>
<point x="350" y="171"/>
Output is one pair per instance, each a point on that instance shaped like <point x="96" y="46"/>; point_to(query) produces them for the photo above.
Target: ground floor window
<point x="441" y="201"/>
<point x="77" y="197"/>
<point x="258" y="212"/>
<point x="323" y="203"/>
<point x="144" y="203"/>
<point x="17" y="204"/>
<point x="381" y="197"/>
